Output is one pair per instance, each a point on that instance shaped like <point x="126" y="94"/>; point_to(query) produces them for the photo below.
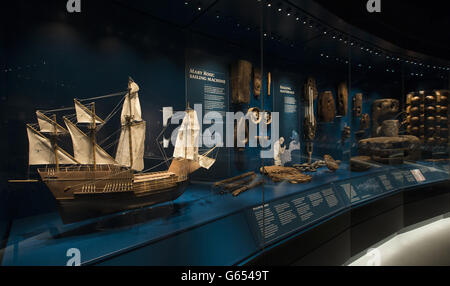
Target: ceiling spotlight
<point x="279" y="7"/>
<point x="288" y="12"/>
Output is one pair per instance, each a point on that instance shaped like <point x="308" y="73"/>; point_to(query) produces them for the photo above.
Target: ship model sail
<point x="92" y="181"/>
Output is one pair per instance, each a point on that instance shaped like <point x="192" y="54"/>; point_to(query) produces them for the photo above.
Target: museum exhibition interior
<point x="215" y="133"/>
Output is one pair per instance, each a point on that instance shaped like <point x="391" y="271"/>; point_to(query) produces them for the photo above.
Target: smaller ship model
<point x="92" y="182"/>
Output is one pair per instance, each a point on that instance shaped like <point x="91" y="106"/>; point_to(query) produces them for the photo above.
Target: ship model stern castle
<point x="92" y="181"/>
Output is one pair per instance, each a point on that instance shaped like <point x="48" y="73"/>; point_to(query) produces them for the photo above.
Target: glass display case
<point x="188" y="133"/>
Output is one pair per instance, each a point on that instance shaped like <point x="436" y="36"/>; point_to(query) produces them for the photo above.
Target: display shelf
<point x="201" y="215"/>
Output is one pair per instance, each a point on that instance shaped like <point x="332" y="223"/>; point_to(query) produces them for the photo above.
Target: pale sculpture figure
<point x="278" y="150"/>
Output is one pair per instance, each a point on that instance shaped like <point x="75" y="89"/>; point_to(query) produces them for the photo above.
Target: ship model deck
<point x="94" y="183"/>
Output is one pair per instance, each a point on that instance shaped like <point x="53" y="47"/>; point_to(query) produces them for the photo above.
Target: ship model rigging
<point x="92" y="181"/>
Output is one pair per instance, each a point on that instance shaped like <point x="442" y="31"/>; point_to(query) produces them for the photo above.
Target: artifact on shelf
<point x="247" y="187"/>
<point x="305" y="167"/>
<point x="326" y="107"/>
<point x="328" y="162"/>
<point x="94" y="182"/>
<point x="257" y="82"/>
<point x="389" y="128"/>
<point x="360" y="163"/>
<point x="390" y="150"/>
<point x="332" y="164"/>
<point x="346" y="133"/>
<point x="241" y="73"/>
<point x="232" y="179"/>
<point x="364" y="123"/>
<point x="383" y="109"/>
<point x="342" y="99"/>
<point x="427" y="116"/>
<point x="236" y="184"/>
<point x="280" y="173"/>
<point x="357" y="104"/>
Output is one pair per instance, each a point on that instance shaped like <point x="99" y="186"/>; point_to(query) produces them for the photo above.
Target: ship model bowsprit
<point x="92" y="182"/>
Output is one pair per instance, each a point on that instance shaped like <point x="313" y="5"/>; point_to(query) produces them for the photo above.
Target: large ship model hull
<point x="93" y="183"/>
<point x="83" y="193"/>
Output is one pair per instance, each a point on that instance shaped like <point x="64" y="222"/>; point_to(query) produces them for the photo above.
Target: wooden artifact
<point x="326" y="107"/>
<point x="390" y="150"/>
<point x="280" y="173"/>
<point x="389" y="128"/>
<point x="234" y="185"/>
<point x="427" y="116"/>
<point x="257" y="82"/>
<point x="332" y="165"/>
<point x="248" y="187"/>
<point x="357" y="104"/>
<point x="235" y="178"/>
<point x="342" y="99"/>
<point x="309" y="124"/>
<point x="346" y="133"/>
<point x="364" y="123"/>
<point x="241" y="73"/>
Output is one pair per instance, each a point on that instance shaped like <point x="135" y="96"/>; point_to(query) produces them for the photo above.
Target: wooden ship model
<point x="92" y="181"/>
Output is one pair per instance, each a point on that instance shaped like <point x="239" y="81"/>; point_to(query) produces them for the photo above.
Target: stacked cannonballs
<point x="427" y="116"/>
